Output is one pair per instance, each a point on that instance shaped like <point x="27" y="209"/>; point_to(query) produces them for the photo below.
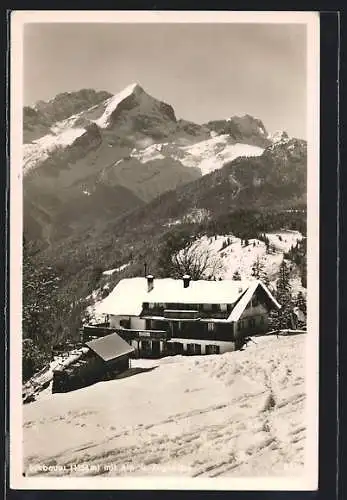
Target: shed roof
<point x="110" y="347"/>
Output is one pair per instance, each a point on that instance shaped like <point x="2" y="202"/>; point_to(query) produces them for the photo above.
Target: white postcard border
<point x="309" y="481"/>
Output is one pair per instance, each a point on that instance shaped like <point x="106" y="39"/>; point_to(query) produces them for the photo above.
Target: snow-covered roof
<point x="128" y="296"/>
<point x="242" y="304"/>
<point x="110" y="347"/>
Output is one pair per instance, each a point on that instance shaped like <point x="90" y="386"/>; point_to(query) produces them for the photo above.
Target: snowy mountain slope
<point x="244" y="128"/>
<point x="137" y="115"/>
<point x="236" y="414"/>
<point x="238" y="257"/>
<point x="39" y="119"/>
<point x="40" y="149"/>
<point x="225" y="261"/>
<point x="208" y="155"/>
<point x="112" y="104"/>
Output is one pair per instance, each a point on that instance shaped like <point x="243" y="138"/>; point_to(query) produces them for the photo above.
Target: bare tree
<point x="198" y="262"/>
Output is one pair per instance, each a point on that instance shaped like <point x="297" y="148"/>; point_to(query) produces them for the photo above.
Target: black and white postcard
<point x="164" y="250"/>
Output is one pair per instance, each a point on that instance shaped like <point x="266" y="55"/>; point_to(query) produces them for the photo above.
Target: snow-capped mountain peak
<point x="113" y="103"/>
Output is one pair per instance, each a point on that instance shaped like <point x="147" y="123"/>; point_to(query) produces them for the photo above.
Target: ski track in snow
<point x="193" y="416"/>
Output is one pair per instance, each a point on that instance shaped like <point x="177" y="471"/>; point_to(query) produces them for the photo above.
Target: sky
<point x="205" y="71"/>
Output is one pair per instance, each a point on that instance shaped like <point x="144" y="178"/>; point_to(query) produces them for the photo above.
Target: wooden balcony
<point x="180" y="314"/>
<point x="132" y="334"/>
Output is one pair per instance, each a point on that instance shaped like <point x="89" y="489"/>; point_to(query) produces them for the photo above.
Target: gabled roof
<point x="127" y="298"/>
<point x="244" y="300"/>
<point x="110" y="347"/>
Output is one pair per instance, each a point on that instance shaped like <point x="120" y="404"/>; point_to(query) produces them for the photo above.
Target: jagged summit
<point x="114" y="101"/>
<point x="279" y="136"/>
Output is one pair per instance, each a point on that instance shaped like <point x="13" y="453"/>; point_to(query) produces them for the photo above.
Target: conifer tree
<point x="258" y="271"/>
<point x="300" y="302"/>
<point x="284" y="317"/>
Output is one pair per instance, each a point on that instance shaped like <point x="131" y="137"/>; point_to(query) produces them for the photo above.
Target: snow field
<point x="39" y="150"/>
<point x="236" y="414"/>
<point x="236" y="257"/>
<point x="210" y="154"/>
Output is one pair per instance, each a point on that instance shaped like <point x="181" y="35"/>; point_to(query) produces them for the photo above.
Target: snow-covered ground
<point x="208" y="155"/>
<point x="236" y="414"/>
<point x="237" y="257"/>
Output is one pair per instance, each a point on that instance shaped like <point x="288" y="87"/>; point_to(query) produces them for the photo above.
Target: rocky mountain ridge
<point x="129" y="140"/>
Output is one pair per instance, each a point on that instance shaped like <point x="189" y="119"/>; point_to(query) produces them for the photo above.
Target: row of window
<point x="178" y="348"/>
<point x="197" y="307"/>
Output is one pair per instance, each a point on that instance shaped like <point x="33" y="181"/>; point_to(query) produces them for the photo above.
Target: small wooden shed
<point x="105" y="358"/>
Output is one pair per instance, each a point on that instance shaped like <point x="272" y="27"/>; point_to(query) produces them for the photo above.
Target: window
<point x="151" y="305"/>
<point x="210" y="327"/>
<point x="206" y="307"/>
<point x="215" y="307"/>
<point x="255" y="301"/>
<point x="197" y="348"/>
<point x="251" y="323"/>
<point x="177" y="348"/>
<point x="124" y="323"/>
<point x="261" y="320"/>
<point x="223" y="307"/>
<point x="241" y="324"/>
<point x="193" y="349"/>
<point x="212" y="349"/>
<point x="145" y="345"/>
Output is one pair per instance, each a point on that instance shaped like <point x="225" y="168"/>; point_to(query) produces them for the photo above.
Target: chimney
<point x="186" y="281"/>
<point x="150" y="283"/>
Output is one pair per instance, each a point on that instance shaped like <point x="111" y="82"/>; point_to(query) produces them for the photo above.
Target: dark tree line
<point x="50" y="315"/>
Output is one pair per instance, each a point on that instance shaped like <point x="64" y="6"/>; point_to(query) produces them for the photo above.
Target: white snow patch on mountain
<point x="206" y="416"/>
<point x="151" y="153"/>
<point x="112" y="104"/>
<point x="109" y="272"/>
<point x="213" y="153"/>
<point x="38" y="150"/>
<point x="208" y="155"/>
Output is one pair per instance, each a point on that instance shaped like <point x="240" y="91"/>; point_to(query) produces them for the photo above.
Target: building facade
<point x="165" y="316"/>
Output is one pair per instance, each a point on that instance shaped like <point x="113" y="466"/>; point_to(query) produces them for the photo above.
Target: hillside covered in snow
<point x="238" y="414"/>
